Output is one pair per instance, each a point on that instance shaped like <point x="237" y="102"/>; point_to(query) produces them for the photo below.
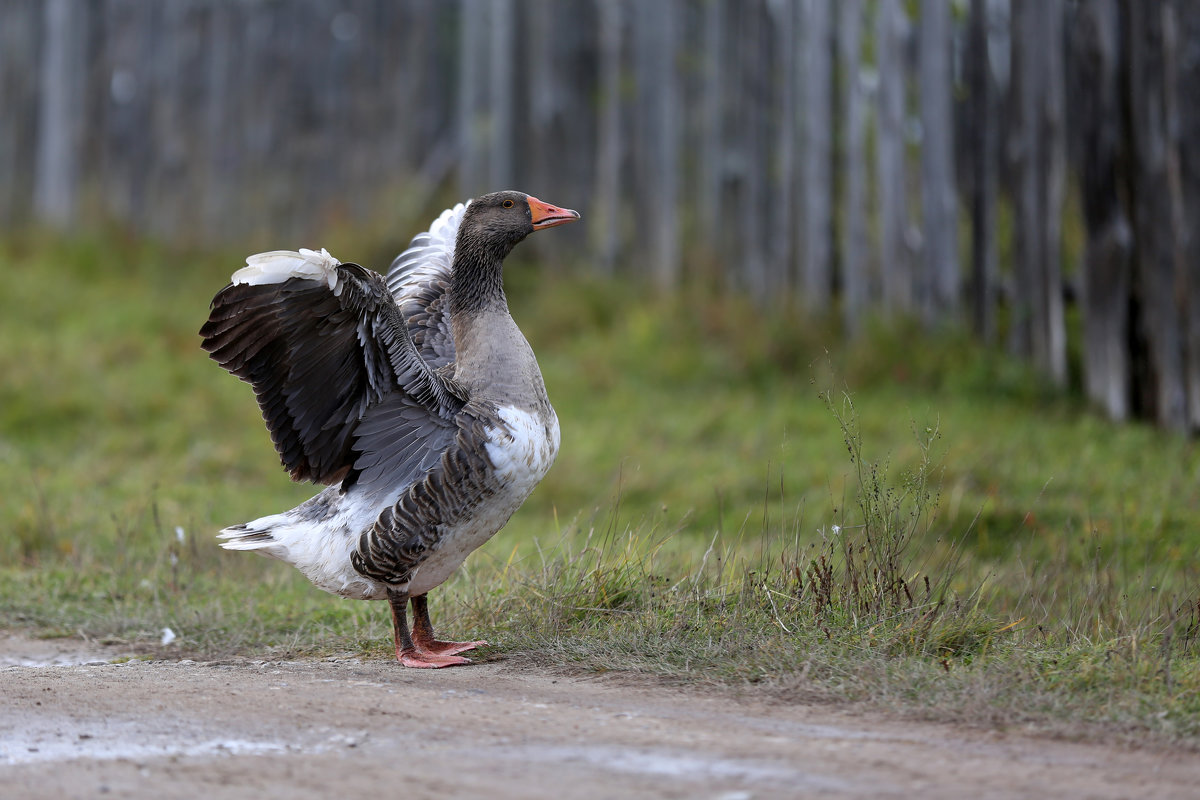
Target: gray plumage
<point x="415" y="395"/>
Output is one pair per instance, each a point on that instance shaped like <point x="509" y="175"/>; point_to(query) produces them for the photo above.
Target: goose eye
<point x="507" y="204"/>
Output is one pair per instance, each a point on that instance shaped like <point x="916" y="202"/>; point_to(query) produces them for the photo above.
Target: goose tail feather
<point x="256" y="535"/>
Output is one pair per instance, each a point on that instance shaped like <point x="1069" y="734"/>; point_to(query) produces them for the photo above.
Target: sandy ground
<point x="345" y="728"/>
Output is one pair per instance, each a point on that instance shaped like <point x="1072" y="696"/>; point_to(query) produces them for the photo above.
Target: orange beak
<point x="547" y="216"/>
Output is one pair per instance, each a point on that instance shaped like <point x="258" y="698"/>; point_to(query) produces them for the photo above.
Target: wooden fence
<point x="865" y="157"/>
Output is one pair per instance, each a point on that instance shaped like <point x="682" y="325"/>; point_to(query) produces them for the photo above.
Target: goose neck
<point x="476" y="284"/>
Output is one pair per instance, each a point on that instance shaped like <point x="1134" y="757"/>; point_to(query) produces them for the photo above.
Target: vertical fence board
<point x="816" y="217"/>
<point x="1155" y="215"/>
<point x="856" y="287"/>
<point x="941" y="280"/>
<point x="895" y="262"/>
<point x="1105" y="272"/>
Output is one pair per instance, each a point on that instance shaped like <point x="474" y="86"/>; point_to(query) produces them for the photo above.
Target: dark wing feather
<point x="397" y="441"/>
<point x="419" y="279"/>
<point x="319" y="359"/>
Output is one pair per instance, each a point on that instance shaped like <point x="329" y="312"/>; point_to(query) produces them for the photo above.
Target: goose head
<point x="495" y="223"/>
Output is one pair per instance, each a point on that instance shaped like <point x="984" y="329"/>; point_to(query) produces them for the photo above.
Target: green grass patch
<point x="742" y="498"/>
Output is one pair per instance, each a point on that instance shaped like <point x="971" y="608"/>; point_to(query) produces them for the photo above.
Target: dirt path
<point x="342" y="728"/>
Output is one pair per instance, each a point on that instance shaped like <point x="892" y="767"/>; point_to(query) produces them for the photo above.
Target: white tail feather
<point x="277" y="266"/>
<point x="319" y="549"/>
<point x="241" y="537"/>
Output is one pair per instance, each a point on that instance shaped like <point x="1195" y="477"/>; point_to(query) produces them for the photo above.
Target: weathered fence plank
<point x="940" y="285"/>
<point x="891" y="180"/>
<point x="1106" y="270"/>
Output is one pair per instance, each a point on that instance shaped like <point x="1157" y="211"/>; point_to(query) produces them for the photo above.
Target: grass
<point x="741" y="499"/>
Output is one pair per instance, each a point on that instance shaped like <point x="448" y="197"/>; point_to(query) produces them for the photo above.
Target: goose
<point x="414" y="397"/>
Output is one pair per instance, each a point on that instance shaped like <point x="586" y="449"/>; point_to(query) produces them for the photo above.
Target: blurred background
<point x="867" y="279"/>
<point x="1028" y="171"/>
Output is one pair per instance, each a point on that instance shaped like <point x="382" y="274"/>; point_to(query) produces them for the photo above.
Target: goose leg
<point x="423" y="632"/>
<point x="407" y="652"/>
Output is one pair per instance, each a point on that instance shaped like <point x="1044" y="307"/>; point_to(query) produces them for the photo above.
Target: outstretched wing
<point x="419" y="278"/>
<point x="325" y="347"/>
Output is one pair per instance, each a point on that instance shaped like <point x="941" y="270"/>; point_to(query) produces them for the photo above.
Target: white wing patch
<point x="524" y="448"/>
<point x="429" y="256"/>
<point x="279" y="265"/>
<point x="444" y="229"/>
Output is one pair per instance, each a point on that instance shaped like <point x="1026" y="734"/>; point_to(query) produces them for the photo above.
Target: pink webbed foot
<point x="422" y="635"/>
<point x="418" y="659"/>
<point x="441" y="648"/>
<point x="420" y="649"/>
